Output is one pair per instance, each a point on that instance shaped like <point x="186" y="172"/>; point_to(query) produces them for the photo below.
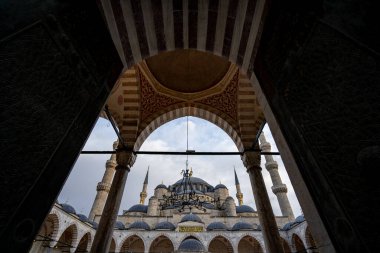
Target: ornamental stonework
<point x="151" y="101"/>
<point x="227" y="100"/>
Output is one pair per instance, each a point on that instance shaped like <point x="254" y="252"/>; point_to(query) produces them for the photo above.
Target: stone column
<point x="267" y="220"/>
<point x="125" y="160"/>
<point x="278" y="188"/>
<point x="104" y="186"/>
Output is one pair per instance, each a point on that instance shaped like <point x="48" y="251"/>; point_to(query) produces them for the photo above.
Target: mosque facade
<point x="164" y="224"/>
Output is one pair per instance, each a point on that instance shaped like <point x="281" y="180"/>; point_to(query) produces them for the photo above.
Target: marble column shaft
<point x="103" y="236"/>
<point x="266" y="217"/>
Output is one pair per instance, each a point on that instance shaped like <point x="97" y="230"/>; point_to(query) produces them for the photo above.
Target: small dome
<point x="288" y="225"/>
<point x="161" y="186"/>
<point x="138" y="208"/>
<point x="191" y="217"/>
<point x="68" y="209"/>
<point x="244" y="209"/>
<point x="216" y="226"/>
<point x="191" y="245"/>
<point x="300" y="219"/>
<point x="94" y="224"/>
<point x="82" y="217"/>
<point x="165" y="225"/>
<point x="119" y="225"/>
<point x="142" y="225"/>
<point x="208" y="206"/>
<point x="242" y="226"/>
<point x="220" y="186"/>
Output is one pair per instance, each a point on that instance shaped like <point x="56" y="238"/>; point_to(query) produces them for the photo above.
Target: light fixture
<point x="185" y="196"/>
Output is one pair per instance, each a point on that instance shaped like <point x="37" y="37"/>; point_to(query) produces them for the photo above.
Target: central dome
<point x="194" y="180"/>
<point x="187" y="71"/>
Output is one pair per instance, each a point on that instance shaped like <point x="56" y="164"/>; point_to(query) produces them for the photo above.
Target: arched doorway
<point x="220" y="245"/>
<point x="249" y="244"/>
<point x="67" y="239"/>
<point x="133" y="244"/>
<point x="161" y="244"/>
<point x="84" y="243"/>
<point x="310" y="243"/>
<point x="298" y="244"/>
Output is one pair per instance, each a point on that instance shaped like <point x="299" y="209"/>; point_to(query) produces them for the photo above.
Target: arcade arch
<point x="220" y="245"/>
<point x="67" y="238"/>
<point x="249" y="244"/>
<point x="161" y="244"/>
<point x="84" y="243"/>
<point x="298" y="244"/>
<point x="133" y="244"/>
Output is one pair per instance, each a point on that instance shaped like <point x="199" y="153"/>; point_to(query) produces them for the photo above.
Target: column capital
<point x="125" y="158"/>
<point x="251" y="160"/>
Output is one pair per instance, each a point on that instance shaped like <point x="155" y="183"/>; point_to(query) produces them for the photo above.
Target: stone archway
<point x="310" y="243"/>
<point x="133" y="244"/>
<point x="298" y="244"/>
<point x="285" y="246"/>
<point x="249" y="244"/>
<point x="220" y="244"/>
<point x="84" y="243"/>
<point x="161" y="244"/>
<point x="67" y="238"/>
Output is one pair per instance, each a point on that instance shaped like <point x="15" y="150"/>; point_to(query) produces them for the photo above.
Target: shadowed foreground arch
<point x="61" y="65"/>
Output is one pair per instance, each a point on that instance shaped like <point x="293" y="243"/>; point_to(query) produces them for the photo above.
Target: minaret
<point x="278" y="188"/>
<point x="104" y="187"/>
<point x="239" y="195"/>
<point x="145" y="185"/>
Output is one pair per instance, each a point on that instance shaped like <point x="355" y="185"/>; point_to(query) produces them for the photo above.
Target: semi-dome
<point x="141" y="225"/>
<point x="242" y="226"/>
<point x="191" y="217"/>
<point x="191" y="245"/>
<point x="82" y="217"/>
<point x="138" y="208"/>
<point x="216" y="226"/>
<point x="220" y="186"/>
<point x="244" y="209"/>
<point x="300" y="219"/>
<point x="161" y="186"/>
<point x="119" y="225"/>
<point x="165" y="225"/>
<point x="68" y="209"/>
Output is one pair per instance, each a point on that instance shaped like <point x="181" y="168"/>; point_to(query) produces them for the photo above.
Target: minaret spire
<point x="239" y="195"/>
<point x="278" y="188"/>
<point x="143" y="193"/>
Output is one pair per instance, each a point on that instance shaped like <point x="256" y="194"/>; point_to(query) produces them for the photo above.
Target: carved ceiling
<point x="140" y="103"/>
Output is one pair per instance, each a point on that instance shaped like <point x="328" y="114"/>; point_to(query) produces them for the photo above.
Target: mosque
<point x="189" y="215"/>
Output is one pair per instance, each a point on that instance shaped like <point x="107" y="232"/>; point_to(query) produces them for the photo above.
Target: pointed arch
<point x="310" y="243"/>
<point x="84" y="243"/>
<point x="298" y="244"/>
<point x="133" y="243"/>
<point x="220" y="244"/>
<point x="285" y="245"/>
<point x="185" y="110"/>
<point x="249" y="244"/>
<point x="161" y="244"/>
<point x="68" y="238"/>
<point x="112" y="246"/>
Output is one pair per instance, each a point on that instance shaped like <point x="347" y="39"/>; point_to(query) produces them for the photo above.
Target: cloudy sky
<point x="80" y="188"/>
